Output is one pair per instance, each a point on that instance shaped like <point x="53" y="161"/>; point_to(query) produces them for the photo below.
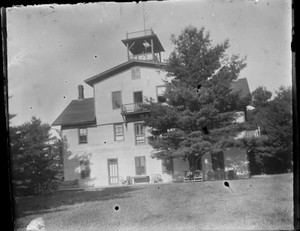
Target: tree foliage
<point x="35" y="155"/>
<point x="200" y="103"/>
<point x="275" y="120"/>
<point x="261" y="96"/>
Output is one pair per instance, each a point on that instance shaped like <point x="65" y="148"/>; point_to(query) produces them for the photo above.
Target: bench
<point x="196" y="176"/>
<point x="140" y="179"/>
<point x="68" y="184"/>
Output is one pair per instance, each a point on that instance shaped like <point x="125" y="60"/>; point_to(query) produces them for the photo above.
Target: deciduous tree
<point x="261" y="96"/>
<point x="275" y="120"/>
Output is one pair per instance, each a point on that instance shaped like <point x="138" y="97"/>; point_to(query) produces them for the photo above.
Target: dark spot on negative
<point x="205" y="130"/>
<point x="95" y="56"/>
<point x="117" y="208"/>
<point x="198" y="88"/>
<point x="226" y="184"/>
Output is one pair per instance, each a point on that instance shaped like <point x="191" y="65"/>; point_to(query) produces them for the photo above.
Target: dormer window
<point x="135" y="73"/>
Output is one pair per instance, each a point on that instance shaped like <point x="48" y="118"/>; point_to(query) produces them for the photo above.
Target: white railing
<point x="133" y="107"/>
<point x="139" y="33"/>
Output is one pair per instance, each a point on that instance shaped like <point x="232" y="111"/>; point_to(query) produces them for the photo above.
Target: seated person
<point x="198" y="173"/>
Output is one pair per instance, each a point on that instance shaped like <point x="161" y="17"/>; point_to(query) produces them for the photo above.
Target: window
<point x="217" y="160"/>
<point x="135" y="73"/>
<point x="140" y="165"/>
<point x="84" y="169"/>
<point x="116" y="99"/>
<point x="119" y="132"/>
<point x="138" y="97"/>
<point x="82" y="133"/>
<point x="160" y="90"/>
<point x="139" y="131"/>
<point x="167" y="165"/>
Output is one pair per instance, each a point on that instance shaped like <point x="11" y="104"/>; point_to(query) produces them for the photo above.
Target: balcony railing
<point x="132" y="108"/>
<point x="139" y="33"/>
<point x="145" y="56"/>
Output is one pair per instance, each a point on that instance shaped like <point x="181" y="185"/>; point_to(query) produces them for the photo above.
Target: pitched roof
<point x="77" y="112"/>
<point x="122" y="67"/>
<point x="242" y="86"/>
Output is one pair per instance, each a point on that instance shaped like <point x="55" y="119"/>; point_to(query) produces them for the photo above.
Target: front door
<point x="140" y="165"/>
<point x="218" y="165"/>
<point x="217" y="161"/>
<point x="113" y="174"/>
<point x="199" y="163"/>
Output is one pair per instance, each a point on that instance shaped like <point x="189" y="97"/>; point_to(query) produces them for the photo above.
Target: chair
<point x="156" y="178"/>
<point x="198" y="176"/>
<point x="123" y="180"/>
<point x="188" y="176"/>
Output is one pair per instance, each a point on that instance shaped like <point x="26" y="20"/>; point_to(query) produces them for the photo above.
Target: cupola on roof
<point x="143" y="45"/>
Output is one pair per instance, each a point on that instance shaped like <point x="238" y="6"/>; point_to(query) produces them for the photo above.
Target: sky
<point x="54" y="48"/>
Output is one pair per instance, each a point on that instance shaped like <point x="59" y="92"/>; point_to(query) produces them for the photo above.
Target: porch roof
<point x="78" y="112"/>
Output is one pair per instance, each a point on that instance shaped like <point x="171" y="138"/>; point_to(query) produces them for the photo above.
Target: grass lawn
<point x="259" y="203"/>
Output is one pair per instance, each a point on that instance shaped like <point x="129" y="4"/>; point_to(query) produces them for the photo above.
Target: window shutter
<point x="143" y="165"/>
<point x="137" y="170"/>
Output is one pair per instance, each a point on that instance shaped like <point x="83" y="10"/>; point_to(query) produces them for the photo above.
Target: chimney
<point x="80" y="92"/>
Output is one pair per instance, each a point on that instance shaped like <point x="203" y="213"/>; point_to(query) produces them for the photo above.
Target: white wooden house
<point x="104" y="138"/>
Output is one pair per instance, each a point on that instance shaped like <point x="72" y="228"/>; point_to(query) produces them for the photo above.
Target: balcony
<point x="145" y="56"/>
<point x="133" y="112"/>
<point x="133" y="108"/>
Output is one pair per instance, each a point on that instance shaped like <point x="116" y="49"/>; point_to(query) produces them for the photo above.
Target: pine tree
<point x="199" y="111"/>
<point x="35" y="155"/>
